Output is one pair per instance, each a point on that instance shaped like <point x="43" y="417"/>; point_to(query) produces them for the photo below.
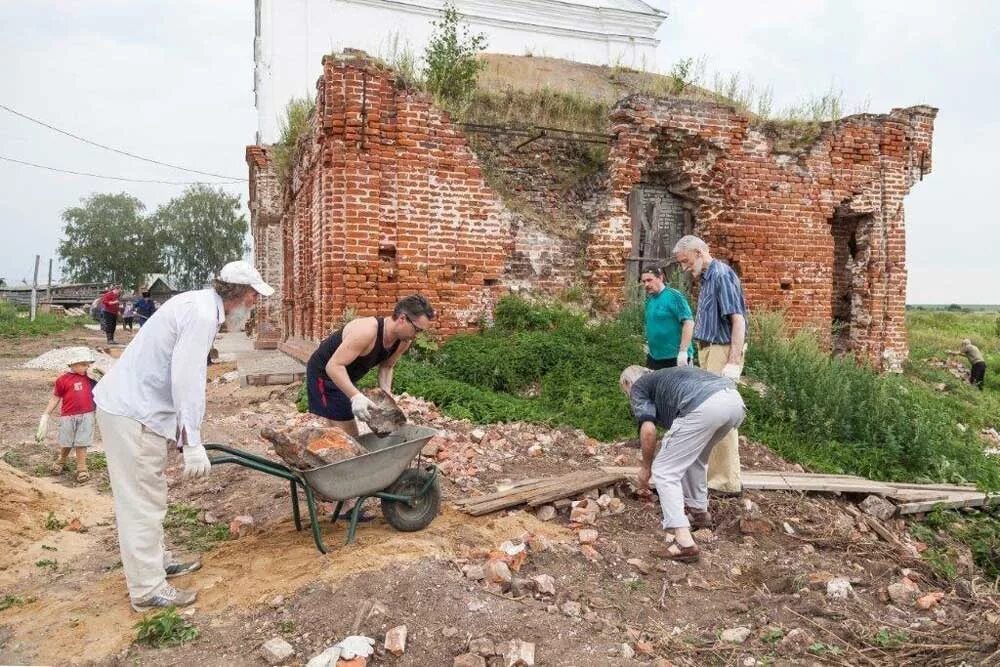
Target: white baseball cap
<point x="241" y="273"/>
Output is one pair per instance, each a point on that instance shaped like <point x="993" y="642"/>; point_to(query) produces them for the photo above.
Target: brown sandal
<point x="82" y="476"/>
<point x="678" y="553"/>
<point x="699" y="518"/>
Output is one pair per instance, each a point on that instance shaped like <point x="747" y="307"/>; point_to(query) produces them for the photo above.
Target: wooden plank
<point x="538" y="493"/>
<point x="830" y="486"/>
<point x="471" y="500"/>
<point x="511" y="499"/>
<point x="507" y="500"/>
<point x="961" y="488"/>
<point x="792" y="482"/>
<point x="582" y="487"/>
<point x="902" y="496"/>
<point x="954" y="501"/>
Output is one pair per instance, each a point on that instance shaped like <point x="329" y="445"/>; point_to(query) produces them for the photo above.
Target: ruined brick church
<point x="388" y="196"/>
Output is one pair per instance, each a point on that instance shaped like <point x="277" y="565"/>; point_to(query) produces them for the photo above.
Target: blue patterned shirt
<point x="720" y="296"/>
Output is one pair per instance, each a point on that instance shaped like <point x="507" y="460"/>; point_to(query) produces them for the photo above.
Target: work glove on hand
<point x="43" y="426"/>
<point x="196" y="463"/>
<point x="361" y="407"/>
<point x="731" y="371"/>
<point x="356" y="646"/>
<point x="682" y="358"/>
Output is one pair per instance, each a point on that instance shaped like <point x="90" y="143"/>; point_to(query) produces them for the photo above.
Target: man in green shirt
<point x="669" y="323"/>
<point x="978" y="371"/>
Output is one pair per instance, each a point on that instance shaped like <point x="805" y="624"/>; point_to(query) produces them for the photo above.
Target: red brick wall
<point x="769" y="211"/>
<point x="385" y="200"/>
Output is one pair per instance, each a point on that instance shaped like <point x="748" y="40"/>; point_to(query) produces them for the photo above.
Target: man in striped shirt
<point x="720" y="329"/>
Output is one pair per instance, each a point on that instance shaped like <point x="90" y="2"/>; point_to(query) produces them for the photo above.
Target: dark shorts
<point x="656" y="364"/>
<point x="326" y="400"/>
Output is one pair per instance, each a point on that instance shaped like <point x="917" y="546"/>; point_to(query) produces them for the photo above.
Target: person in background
<point x="720" y="328"/>
<point x="669" y="323"/>
<point x="144" y="308"/>
<point x="128" y="313"/>
<point x="697" y="409"/>
<point x="75" y="391"/>
<point x="977" y="373"/>
<point x="111" y="305"/>
<point x="155" y="394"/>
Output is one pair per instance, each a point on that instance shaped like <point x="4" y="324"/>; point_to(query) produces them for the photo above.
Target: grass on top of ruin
<point x="547" y="362"/>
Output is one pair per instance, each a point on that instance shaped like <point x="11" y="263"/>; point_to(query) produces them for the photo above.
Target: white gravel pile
<point x="58" y="359"/>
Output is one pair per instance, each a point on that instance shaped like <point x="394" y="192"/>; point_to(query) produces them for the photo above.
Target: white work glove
<point x="43" y="426"/>
<point x="196" y="463"/>
<point x="356" y="646"/>
<point x="361" y="407"/>
<point x="731" y="371"/>
<point x="682" y="357"/>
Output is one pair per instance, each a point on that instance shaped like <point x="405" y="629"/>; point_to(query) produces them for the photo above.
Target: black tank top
<point x="357" y="368"/>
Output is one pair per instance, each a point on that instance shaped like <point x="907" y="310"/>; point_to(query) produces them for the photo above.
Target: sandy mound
<point x="25" y="504"/>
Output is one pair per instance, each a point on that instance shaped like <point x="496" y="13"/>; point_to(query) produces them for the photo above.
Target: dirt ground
<point x="765" y="567"/>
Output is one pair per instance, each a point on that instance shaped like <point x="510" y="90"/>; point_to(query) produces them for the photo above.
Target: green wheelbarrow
<point x="410" y="495"/>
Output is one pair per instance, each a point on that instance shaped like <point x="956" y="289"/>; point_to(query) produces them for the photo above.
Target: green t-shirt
<point x="665" y="315"/>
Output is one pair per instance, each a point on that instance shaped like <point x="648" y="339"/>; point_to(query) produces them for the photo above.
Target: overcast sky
<point x="173" y="80"/>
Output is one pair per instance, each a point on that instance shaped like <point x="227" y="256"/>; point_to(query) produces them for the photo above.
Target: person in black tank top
<point x="347" y="355"/>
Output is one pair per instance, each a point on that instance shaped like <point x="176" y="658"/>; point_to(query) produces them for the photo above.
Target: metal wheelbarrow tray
<point x="411" y="496"/>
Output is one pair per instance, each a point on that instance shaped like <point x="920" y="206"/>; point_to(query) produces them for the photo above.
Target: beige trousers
<point x="137" y="458"/>
<point x="724" y="462"/>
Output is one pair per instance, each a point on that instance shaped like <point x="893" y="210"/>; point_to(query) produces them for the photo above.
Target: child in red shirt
<point x="76" y="425"/>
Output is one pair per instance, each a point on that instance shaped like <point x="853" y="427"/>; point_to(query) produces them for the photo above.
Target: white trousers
<point x="137" y="459"/>
<point x="679" y="469"/>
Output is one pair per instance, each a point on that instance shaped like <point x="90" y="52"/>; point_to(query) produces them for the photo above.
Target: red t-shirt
<point x="110" y="303"/>
<point x="76" y="392"/>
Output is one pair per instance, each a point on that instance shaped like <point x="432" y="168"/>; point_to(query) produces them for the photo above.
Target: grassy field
<point x="14" y="322"/>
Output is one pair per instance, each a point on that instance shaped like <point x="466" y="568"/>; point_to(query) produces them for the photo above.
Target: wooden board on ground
<point x="909" y="498"/>
<point x="538" y="492"/>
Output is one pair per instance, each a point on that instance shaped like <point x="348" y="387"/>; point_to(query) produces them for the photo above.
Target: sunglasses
<point x="414" y="324"/>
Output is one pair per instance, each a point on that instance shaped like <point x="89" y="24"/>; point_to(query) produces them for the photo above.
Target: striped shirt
<point x="719" y="296"/>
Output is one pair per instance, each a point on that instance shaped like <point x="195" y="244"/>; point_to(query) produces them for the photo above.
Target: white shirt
<point x="159" y="380"/>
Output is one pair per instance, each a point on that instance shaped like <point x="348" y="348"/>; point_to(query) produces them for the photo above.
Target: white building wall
<point x="293" y="36"/>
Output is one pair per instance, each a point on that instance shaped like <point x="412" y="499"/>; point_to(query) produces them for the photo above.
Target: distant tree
<point x="202" y="231"/>
<point x="451" y="62"/>
<point x="3" y="283"/>
<point x="955" y="308"/>
<point x="107" y="239"/>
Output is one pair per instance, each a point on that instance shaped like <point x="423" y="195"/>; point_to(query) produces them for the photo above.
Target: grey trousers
<point x="679" y="471"/>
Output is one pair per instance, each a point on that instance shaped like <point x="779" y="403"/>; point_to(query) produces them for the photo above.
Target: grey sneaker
<point x="166" y="596"/>
<point x="180" y="569"/>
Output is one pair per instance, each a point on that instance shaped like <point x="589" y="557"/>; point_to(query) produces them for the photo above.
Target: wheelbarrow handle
<point x="246" y="456"/>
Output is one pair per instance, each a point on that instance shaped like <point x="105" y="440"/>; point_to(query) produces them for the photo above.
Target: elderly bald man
<point x="697" y="408"/>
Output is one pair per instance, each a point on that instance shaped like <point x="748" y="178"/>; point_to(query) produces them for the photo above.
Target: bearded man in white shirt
<point x="154" y="394"/>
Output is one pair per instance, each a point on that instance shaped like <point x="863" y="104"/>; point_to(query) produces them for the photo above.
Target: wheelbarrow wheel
<point x="407" y="518"/>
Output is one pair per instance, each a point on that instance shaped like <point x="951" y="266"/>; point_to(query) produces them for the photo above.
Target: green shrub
<point x="451" y="65"/>
<point x="164" y="628"/>
<point x="513" y="313"/>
